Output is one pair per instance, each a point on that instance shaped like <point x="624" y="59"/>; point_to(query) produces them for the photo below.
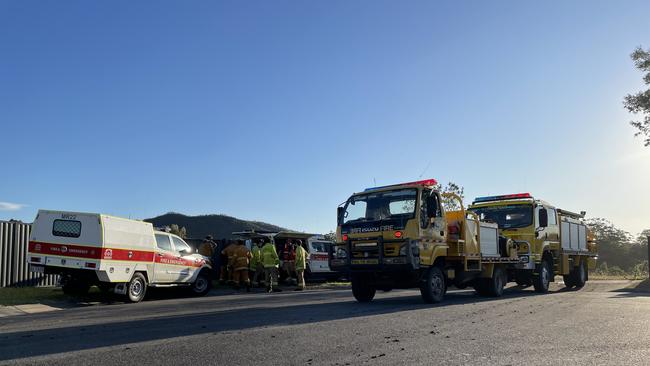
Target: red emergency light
<point x="426" y="182"/>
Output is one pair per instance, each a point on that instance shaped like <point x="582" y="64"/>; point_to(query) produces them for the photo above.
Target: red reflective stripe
<point x="65" y="250"/>
<point x="127" y="255"/>
<point x="81" y="251"/>
<point x="167" y="258"/>
<point x="319" y="257"/>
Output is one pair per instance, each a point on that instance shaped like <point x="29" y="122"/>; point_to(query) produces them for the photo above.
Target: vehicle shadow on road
<point x="258" y="315"/>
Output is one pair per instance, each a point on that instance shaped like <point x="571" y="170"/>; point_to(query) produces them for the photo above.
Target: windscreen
<point x="380" y="206"/>
<point x="507" y="217"/>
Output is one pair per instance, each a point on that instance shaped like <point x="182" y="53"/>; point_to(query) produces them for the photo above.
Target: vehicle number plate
<point x="365" y="261"/>
<point x="37" y="268"/>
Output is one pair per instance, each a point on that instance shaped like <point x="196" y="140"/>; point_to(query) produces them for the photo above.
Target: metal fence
<point x="14" y="270"/>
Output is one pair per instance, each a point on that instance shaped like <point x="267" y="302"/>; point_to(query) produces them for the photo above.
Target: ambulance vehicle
<point x="116" y="254"/>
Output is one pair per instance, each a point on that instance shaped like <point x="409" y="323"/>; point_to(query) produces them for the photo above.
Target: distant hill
<point x="219" y="226"/>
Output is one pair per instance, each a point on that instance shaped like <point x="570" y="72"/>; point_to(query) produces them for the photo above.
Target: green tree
<point x="174" y="229"/>
<point x="640" y="101"/>
<point x="330" y="236"/>
<point x="451" y="187"/>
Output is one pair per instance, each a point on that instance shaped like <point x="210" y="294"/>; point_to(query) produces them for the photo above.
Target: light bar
<point x="426" y="183"/>
<point x="503" y="197"/>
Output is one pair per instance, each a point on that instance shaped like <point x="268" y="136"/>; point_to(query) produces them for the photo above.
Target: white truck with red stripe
<point x="119" y="255"/>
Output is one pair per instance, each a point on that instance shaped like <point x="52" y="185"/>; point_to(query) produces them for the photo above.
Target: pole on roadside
<point x="648" y="256"/>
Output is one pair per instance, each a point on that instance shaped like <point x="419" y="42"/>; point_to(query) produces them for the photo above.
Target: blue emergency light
<point x="502" y="197"/>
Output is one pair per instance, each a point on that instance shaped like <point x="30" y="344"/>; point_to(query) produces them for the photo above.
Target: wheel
<point x="569" y="280"/>
<point x="202" y="284"/>
<point x="496" y="283"/>
<point x="137" y="288"/>
<point x="433" y="287"/>
<point x="542" y="280"/>
<point x="580" y="277"/>
<point x="362" y="289"/>
<point x="74" y="287"/>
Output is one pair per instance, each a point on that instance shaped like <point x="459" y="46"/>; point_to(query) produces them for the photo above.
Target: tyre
<point x="74" y="287"/>
<point x="580" y="277"/>
<point x="362" y="289"/>
<point x="137" y="288"/>
<point x="434" y="286"/>
<point x="496" y="284"/>
<point x="202" y="284"/>
<point x="542" y="280"/>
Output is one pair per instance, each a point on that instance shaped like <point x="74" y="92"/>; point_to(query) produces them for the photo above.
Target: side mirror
<point x="339" y="213"/>
<point x="543" y="218"/>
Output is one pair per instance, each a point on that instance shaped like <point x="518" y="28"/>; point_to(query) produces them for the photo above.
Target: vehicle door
<point x="186" y="261"/>
<point x="550" y="232"/>
<point x="318" y="256"/>
<point x="165" y="257"/>
<point x="432" y="219"/>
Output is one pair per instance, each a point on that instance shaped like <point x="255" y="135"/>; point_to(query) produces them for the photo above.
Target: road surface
<point x="603" y="323"/>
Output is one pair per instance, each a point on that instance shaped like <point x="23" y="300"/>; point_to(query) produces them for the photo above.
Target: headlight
<point x="341" y="253"/>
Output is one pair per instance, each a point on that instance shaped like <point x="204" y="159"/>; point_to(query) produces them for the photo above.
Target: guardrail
<point x="14" y="270"/>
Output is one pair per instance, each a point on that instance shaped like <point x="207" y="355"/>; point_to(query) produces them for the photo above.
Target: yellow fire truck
<point x="555" y="241"/>
<point x="400" y="236"/>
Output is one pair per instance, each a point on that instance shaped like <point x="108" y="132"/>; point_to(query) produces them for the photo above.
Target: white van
<point x="318" y="248"/>
<point x="119" y="255"/>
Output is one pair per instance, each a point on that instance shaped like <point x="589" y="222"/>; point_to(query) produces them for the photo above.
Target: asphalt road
<point x="603" y="323"/>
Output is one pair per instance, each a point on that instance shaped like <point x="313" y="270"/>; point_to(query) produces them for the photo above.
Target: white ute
<point x="116" y="254"/>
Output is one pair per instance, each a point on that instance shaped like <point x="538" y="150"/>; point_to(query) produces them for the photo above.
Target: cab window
<point x="180" y="245"/>
<point x="163" y="242"/>
<point x="551" y="217"/>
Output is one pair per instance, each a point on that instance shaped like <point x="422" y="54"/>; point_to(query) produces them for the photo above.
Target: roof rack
<point x="581" y="215"/>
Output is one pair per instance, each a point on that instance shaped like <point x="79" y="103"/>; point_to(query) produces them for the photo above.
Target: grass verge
<point x="30" y="295"/>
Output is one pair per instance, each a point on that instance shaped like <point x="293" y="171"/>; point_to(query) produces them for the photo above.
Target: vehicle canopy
<point x="83" y="231"/>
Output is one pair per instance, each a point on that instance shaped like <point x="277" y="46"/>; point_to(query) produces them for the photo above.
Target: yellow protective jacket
<point x="242" y="258"/>
<point x="301" y="258"/>
<point x="269" y="256"/>
<point x="229" y="251"/>
<point x="205" y="249"/>
<point x="256" y="254"/>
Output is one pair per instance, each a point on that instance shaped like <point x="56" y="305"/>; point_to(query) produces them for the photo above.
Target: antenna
<point x="425" y="169"/>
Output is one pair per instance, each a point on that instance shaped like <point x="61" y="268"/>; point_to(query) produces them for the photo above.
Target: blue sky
<point x="279" y="110"/>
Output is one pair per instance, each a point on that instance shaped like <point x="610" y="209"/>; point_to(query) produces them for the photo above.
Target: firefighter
<point x="229" y="257"/>
<point x="241" y="263"/>
<point x="288" y="259"/>
<point x="301" y="265"/>
<point x="206" y="248"/>
<point x="259" y="271"/>
<point x="270" y="262"/>
<point x="255" y="261"/>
